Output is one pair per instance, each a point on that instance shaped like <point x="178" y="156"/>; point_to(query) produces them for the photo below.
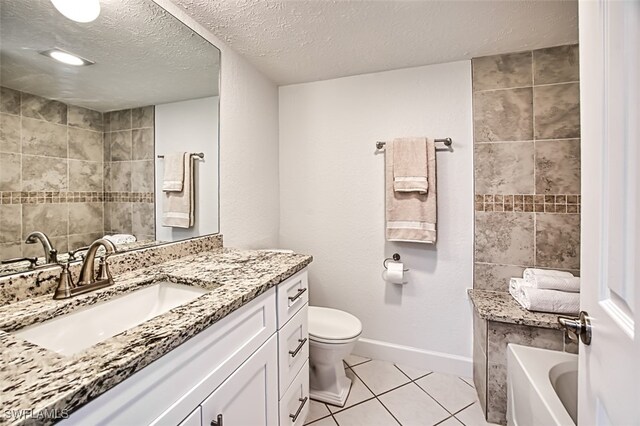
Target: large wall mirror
<point x="90" y="115"/>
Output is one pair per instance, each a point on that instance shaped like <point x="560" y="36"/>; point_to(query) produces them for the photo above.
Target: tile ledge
<point x="500" y="306"/>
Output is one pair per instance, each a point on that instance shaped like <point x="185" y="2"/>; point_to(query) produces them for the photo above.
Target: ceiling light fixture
<point x="78" y="10"/>
<point x="66" y="57"/>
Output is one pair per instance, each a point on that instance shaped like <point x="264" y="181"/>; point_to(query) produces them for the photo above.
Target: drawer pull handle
<point x="303" y="401"/>
<point x="218" y="421"/>
<point x="294" y="352"/>
<point x="298" y="294"/>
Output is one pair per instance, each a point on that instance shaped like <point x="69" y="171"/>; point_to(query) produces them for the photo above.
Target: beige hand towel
<point x="411" y="216"/>
<point x="173" y="178"/>
<point x="410" y="165"/>
<point x="178" y="207"/>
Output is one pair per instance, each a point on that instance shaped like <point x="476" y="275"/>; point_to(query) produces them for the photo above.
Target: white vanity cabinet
<point x="249" y="368"/>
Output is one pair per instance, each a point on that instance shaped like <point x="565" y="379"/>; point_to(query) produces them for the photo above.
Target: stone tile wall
<point x="129" y="172"/>
<point x="52" y="173"/>
<point x="527" y="163"/>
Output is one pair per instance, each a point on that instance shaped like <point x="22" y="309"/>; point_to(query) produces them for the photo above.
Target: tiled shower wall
<point x="52" y="174"/>
<point x="129" y="172"/>
<point x="527" y="163"/>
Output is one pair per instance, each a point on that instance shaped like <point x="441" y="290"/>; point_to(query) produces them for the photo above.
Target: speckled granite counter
<point x="33" y="378"/>
<point x="502" y="307"/>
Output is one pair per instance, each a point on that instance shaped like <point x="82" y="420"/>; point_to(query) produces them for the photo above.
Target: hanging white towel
<point x="179" y="207"/>
<point x="174" y="175"/>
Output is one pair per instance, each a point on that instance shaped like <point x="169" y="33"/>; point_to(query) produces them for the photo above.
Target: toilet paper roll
<point x="394" y="273"/>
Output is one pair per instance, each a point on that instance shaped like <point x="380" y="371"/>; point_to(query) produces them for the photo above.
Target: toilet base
<point x="338" y="399"/>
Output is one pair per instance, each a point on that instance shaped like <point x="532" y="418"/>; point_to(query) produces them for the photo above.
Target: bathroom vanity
<point x="237" y="353"/>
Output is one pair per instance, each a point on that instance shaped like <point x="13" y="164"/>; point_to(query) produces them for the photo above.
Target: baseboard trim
<point x="414" y="357"/>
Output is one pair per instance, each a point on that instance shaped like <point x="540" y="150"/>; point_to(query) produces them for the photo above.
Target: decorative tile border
<point x="45" y="197"/>
<point x="563" y="204"/>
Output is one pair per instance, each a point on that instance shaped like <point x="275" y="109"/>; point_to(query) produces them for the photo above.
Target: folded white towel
<point x="534" y="299"/>
<point x="121" y="238"/>
<point x="530" y="273"/>
<point x="410" y="165"/>
<point x="550" y="282"/>
<point x="174" y="175"/>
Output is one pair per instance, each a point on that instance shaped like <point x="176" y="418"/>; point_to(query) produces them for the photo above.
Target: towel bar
<point x="193" y="154"/>
<point x="447" y="141"/>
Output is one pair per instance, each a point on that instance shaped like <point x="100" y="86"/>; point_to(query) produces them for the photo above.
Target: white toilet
<point x="332" y="336"/>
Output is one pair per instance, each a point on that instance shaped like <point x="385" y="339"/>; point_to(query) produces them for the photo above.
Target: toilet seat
<point x="333" y="326"/>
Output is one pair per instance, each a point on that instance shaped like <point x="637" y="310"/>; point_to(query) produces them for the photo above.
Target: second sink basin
<point x="78" y="330"/>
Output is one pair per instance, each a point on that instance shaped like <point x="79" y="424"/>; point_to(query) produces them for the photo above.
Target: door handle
<point x="294" y="417"/>
<point x="577" y="327"/>
<point x="298" y="294"/>
<point x="294" y="352"/>
<point x="217" y="421"/>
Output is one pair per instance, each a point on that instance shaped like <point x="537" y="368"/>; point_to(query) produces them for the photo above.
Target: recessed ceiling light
<point x="66" y="57"/>
<point x="78" y="10"/>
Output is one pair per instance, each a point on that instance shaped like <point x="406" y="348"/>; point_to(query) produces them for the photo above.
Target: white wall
<point x="249" y="194"/>
<point x="332" y="206"/>
<point x="190" y="126"/>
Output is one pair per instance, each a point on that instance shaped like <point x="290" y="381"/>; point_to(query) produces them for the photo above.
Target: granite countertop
<point x="502" y="307"/>
<point x="34" y="378"/>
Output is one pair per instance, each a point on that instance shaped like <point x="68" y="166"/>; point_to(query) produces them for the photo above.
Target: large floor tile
<point x="450" y="391"/>
<point x="327" y="421"/>
<point x="317" y="410"/>
<point x="353" y="360"/>
<point x="380" y="376"/>
<point x="451" y="421"/>
<point x="358" y="393"/>
<point x="370" y="413"/>
<point x="412" y="406"/>
<point x="412" y="372"/>
<point x="473" y="416"/>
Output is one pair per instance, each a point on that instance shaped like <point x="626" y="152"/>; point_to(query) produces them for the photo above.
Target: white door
<point x="609" y="376"/>
<point x="249" y="397"/>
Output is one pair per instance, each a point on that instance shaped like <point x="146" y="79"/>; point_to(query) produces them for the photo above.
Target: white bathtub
<point x="542" y="387"/>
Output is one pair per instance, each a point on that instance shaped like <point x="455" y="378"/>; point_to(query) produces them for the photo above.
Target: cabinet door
<point x="250" y="395"/>
<point x="193" y="419"/>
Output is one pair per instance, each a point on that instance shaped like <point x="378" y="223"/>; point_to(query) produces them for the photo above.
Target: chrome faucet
<point x="50" y="254"/>
<point x="87" y="281"/>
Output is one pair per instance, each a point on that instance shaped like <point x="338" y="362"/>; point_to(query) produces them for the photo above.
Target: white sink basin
<point x="71" y="333"/>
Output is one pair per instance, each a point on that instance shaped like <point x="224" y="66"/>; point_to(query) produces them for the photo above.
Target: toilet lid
<point x="333" y="324"/>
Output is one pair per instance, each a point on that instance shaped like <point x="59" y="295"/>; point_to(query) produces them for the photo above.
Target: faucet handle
<point x="72" y="253"/>
<point x="103" y="270"/>
<point x="65" y="283"/>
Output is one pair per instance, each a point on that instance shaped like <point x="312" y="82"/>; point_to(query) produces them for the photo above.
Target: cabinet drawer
<point x="292" y="295"/>
<point x="293" y="347"/>
<point x="294" y="406"/>
<point x="194" y="419"/>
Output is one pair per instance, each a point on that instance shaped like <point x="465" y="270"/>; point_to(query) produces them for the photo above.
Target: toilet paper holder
<point x="395" y="258"/>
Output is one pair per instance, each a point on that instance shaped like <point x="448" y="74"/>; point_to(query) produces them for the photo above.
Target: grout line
<point x="531" y="86"/>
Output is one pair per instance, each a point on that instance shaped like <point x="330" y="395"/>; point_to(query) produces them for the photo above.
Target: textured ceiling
<point x="301" y="41"/>
<point x="142" y="55"/>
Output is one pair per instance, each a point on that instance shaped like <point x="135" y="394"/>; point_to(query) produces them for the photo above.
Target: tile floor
<point x="385" y="394"/>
